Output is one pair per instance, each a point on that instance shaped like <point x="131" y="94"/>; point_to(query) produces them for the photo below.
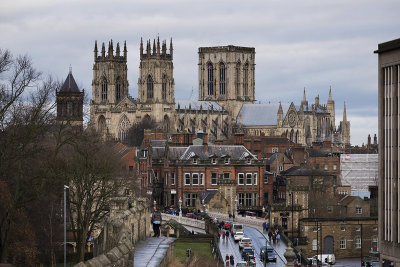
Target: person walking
<point x="227" y="234"/>
<point x="270" y="236"/>
<point x="263" y="226"/>
<point x="232" y="260"/>
<point x="156" y="220"/>
<point x="227" y="260"/>
<point x="278" y="237"/>
<point x="223" y="236"/>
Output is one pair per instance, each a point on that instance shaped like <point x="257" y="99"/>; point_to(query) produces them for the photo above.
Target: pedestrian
<point x="223" y="236"/>
<point x="278" y="237"/>
<point x="156" y="220"/>
<point x="219" y="234"/>
<point x="227" y="260"/>
<point x="263" y="226"/>
<point x="227" y="234"/>
<point x="266" y="227"/>
<point x="269" y="236"/>
<point x="274" y="237"/>
<point x="232" y="260"/>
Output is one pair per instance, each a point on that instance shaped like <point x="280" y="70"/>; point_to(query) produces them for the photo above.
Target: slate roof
<point x="319" y="152"/>
<point x="197" y="105"/>
<point x="303" y="171"/>
<point x="271" y="159"/>
<point x="158" y="143"/>
<point x="174" y="153"/>
<point x="69" y="85"/>
<point x="260" y="114"/>
<point x="234" y="152"/>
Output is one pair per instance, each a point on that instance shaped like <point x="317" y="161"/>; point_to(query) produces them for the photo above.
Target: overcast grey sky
<point x="299" y="43"/>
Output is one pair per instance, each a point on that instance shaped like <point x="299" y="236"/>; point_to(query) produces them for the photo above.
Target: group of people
<point x="229" y="260"/>
<point x="274" y="236"/>
<point x="224" y="234"/>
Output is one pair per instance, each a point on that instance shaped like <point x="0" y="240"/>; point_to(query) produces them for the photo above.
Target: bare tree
<point x="91" y="169"/>
<point x="25" y="118"/>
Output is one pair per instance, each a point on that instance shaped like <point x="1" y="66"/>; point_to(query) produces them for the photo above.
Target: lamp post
<point x="65" y="224"/>
<point x="263" y="211"/>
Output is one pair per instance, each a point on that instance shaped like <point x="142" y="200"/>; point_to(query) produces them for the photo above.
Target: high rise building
<point x="389" y="151"/>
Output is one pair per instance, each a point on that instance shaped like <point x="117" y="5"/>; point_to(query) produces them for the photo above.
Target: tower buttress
<point x="171" y="49"/>
<point x="103" y="50"/>
<point x="330" y="104"/>
<point x="280" y="115"/>
<point x="141" y="47"/>
<point x="117" y="51"/>
<point x="125" y="51"/>
<point x="158" y="46"/>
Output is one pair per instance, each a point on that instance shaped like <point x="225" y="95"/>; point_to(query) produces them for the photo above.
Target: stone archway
<point x="329" y="245"/>
<point x="101" y="125"/>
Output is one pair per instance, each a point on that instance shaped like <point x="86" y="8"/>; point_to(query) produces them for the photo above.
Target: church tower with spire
<point x="345" y="127"/>
<point x="330" y="107"/>
<point x="70" y="103"/>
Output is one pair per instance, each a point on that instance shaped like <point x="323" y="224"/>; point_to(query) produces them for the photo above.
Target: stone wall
<point x="121" y="231"/>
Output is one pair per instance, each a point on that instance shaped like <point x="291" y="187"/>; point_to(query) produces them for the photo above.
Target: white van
<point x="237" y="227"/>
<point x="327" y="258"/>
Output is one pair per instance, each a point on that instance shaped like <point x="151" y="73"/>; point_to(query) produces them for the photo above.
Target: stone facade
<point x="226" y="89"/>
<point x="340" y="236"/>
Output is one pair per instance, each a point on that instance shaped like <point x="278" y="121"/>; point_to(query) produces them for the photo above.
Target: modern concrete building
<point x="389" y="179"/>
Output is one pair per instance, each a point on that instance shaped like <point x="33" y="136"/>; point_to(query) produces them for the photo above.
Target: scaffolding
<point x="359" y="171"/>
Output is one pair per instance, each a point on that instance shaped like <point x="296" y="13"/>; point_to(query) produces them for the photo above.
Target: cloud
<point x="304" y="43"/>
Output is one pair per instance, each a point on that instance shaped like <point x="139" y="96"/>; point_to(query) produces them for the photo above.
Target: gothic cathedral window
<point x="104" y="89"/>
<point x="222" y="78"/>
<point x="150" y="87"/>
<point x="124" y="126"/>
<point x="118" y="89"/>
<point x="237" y="79"/>
<point x="210" y="79"/>
<point x="246" y="79"/>
<point x="164" y="87"/>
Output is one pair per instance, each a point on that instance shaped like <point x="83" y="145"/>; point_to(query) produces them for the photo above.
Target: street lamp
<point x="291" y="195"/>
<point x="263" y="211"/>
<point x="65" y="224"/>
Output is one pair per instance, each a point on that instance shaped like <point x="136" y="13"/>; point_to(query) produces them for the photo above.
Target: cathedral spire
<point x="164" y="48"/>
<point x="171" y="49"/>
<point x="118" y="50"/>
<point x="280" y="110"/>
<point x="304" y="102"/>
<point x="110" y="49"/>
<point x="344" y="113"/>
<point x="154" y="47"/>
<point x="148" y="48"/>
<point x="95" y="50"/>
<point x="158" y="46"/>
<point x="141" y="47"/>
<point x="103" y="50"/>
<point x="330" y="93"/>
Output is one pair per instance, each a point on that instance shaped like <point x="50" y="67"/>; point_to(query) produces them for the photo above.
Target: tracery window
<point x="150" y="87"/>
<point x="164" y="87"/>
<point x="237" y="79"/>
<point x="246" y="79"/>
<point x="222" y="83"/>
<point x="210" y="79"/>
<point x="118" y="89"/>
<point x="104" y="89"/>
<point x="124" y="126"/>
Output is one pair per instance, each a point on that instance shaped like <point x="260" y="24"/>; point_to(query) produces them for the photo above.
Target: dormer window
<point x="214" y="161"/>
<point x="195" y="161"/>
<point x="249" y="161"/>
<point x="226" y="160"/>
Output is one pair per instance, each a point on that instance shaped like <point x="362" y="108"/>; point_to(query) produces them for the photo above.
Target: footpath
<point x="150" y="252"/>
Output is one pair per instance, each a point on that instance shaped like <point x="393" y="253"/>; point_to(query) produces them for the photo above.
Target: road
<point x="230" y="247"/>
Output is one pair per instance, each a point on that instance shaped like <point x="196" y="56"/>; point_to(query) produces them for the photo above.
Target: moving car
<point x="245" y="242"/>
<point x="271" y="256"/>
<point x="237" y="227"/>
<point x="267" y="254"/>
<point x="263" y="253"/>
<point x="241" y="264"/>
<point x="238" y="236"/>
<point x="246" y="252"/>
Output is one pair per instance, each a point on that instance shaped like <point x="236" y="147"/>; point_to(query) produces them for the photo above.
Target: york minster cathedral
<point x="226" y="98"/>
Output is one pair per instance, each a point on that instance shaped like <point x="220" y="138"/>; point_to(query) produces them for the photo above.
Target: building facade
<point x="388" y="106"/>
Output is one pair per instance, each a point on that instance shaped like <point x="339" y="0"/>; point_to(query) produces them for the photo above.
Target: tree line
<point x="37" y="158"/>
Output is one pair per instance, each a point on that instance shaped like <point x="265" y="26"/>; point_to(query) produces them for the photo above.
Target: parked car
<point x="245" y="242"/>
<point x="241" y="264"/>
<point x="271" y="256"/>
<point x="238" y="236"/>
<point x="247" y="251"/>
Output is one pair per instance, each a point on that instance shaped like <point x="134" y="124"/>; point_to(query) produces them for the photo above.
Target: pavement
<point x="150" y="252"/>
